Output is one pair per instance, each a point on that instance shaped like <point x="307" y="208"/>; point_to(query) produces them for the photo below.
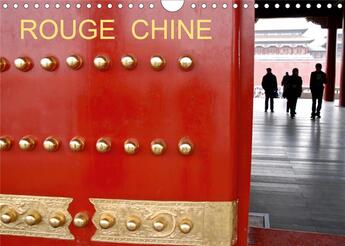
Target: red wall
<point x="280" y="67"/>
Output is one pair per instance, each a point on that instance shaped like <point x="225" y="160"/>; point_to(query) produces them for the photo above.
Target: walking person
<point x="317" y="80"/>
<point x="269" y="84"/>
<point x="284" y="84"/>
<point x="294" y="91"/>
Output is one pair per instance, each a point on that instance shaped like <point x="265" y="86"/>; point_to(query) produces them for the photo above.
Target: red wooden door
<point x="181" y="109"/>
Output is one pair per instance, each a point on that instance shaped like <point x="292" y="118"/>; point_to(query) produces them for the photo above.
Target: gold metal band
<point x="124" y="221"/>
<point x="165" y="223"/>
<point x="35" y="216"/>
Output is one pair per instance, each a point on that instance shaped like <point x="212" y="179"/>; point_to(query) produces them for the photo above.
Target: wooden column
<point x="331" y="59"/>
<point x="342" y="75"/>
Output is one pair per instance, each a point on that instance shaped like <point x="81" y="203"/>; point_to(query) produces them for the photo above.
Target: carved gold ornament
<point x="165" y="223"/>
<point x="106" y="221"/>
<point x="57" y="219"/>
<point x="35" y="216"/>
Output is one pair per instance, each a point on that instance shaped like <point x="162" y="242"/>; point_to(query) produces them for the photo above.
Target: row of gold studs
<point x="133" y="223"/>
<point x="106" y="221"/>
<point x="75" y="62"/>
<point x="103" y="145"/>
<point x="32" y="217"/>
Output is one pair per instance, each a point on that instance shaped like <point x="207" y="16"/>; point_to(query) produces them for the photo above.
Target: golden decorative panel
<point x="165" y="223"/>
<point x="35" y="216"/>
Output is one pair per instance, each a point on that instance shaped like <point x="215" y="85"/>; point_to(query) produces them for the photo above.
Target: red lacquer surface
<point x="210" y="104"/>
<point x="271" y="237"/>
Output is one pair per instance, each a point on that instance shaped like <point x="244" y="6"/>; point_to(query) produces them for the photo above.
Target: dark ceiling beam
<point x="303" y="11"/>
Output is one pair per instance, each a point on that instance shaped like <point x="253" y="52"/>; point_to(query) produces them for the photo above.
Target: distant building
<point x="285" y="44"/>
<point x="339" y="43"/>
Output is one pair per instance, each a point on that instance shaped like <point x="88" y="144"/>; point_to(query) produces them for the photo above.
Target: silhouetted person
<point x="269" y="84"/>
<point x="284" y="84"/>
<point x="294" y="91"/>
<point x="317" y="80"/>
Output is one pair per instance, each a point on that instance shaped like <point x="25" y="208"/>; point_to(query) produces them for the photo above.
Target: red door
<point x="125" y="123"/>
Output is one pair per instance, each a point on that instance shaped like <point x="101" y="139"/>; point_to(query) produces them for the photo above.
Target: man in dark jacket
<point x="284" y="84"/>
<point x="269" y="84"/>
<point x="317" y="80"/>
<point x="294" y="91"/>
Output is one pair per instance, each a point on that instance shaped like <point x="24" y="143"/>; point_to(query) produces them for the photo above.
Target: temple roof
<point x="289" y="31"/>
<point x="278" y="57"/>
<point x="284" y="40"/>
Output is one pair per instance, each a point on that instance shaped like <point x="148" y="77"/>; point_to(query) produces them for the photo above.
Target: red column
<point x="331" y="56"/>
<point x="342" y="75"/>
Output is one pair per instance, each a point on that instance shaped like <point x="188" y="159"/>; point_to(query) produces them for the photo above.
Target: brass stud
<point x="81" y="220"/>
<point x="32" y="218"/>
<point x="49" y="63"/>
<point x="128" y="62"/>
<point x="101" y="62"/>
<point x="186" y="226"/>
<point x="5" y="143"/>
<point x="157" y="63"/>
<point x="133" y="223"/>
<point x="51" y="144"/>
<point x="27" y="143"/>
<point x="131" y="146"/>
<point x="77" y="144"/>
<point x="185" y="146"/>
<point x="23" y="64"/>
<point x="158" y="147"/>
<point x="4" y="64"/>
<point x="159" y="225"/>
<point x="75" y="62"/>
<point x="186" y="63"/>
<point x="57" y="220"/>
<point x="106" y="221"/>
<point x="103" y="145"/>
<point x="8" y="216"/>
